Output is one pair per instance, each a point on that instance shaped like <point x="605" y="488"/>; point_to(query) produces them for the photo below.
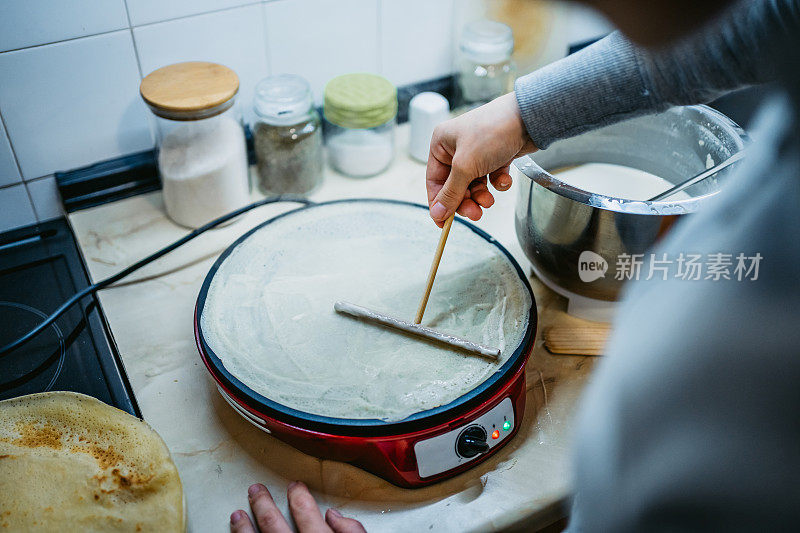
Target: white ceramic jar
<point x="425" y="111"/>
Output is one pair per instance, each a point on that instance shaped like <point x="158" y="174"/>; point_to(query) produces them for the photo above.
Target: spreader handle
<point x="434" y="267"/>
<point x="416" y="329"/>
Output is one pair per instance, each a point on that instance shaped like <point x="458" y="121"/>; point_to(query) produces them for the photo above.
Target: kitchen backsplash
<point x="70" y="71"/>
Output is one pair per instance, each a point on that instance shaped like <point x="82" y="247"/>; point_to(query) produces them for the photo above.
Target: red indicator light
<point x="495" y="434"/>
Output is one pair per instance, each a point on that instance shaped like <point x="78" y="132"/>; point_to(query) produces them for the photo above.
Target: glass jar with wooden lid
<point x="202" y="156"/>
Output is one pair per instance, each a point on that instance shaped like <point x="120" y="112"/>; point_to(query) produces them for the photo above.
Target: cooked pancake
<point x="269" y="314"/>
<point x="71" y="462"/>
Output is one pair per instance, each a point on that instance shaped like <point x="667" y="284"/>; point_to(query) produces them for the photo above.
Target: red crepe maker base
<point x="426" y="447"/>
<point x="394" y="457"/>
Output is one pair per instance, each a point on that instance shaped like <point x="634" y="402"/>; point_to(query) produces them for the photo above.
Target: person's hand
<point x="467" y="148"/>
<point x="304" y="511"/>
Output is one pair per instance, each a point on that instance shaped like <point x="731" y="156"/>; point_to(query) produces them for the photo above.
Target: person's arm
<point x="604" y="83"/>
<point x="613" y="80"/>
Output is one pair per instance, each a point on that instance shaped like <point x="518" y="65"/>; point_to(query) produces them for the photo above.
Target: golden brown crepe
<point x="70" y="462"/>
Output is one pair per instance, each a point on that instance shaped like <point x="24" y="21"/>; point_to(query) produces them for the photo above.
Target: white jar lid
<point x="486" y="41"/>
<point x="282" y="99"/>
<point x="425" y="111"/>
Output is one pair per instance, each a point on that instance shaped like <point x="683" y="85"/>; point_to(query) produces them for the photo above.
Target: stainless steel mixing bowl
<point x="555" y="222"/>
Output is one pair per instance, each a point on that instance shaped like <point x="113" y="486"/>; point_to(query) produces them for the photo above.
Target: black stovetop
<point x="40" y="267"/>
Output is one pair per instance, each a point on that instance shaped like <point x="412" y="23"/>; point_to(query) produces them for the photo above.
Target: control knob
<point x="471" y="442"/>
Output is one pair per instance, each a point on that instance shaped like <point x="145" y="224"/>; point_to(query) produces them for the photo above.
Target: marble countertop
<point x="219" y="454"/>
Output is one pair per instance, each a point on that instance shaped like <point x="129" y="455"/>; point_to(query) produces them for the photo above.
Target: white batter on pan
<point x="269" y="313"/>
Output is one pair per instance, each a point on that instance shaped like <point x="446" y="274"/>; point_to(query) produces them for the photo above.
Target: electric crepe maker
<point x="422" y="449"/>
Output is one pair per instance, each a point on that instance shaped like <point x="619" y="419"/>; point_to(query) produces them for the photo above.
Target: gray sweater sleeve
<point x="612" y="79"/>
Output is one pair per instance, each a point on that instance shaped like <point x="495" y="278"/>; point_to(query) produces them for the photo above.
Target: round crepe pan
<point x="352" y="427"/>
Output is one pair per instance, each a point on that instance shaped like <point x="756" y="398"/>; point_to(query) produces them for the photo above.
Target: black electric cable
<point x="102" y="284"/>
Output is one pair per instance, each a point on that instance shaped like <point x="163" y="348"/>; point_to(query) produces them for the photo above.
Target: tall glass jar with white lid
<point x="201" y="150"/>
<point x="485" y="67"/>
<point x="288" y="136"/>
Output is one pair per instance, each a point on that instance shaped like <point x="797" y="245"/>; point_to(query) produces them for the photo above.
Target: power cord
<point x="102" y="284"/>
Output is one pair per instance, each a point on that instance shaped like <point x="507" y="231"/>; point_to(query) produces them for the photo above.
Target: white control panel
<point x="465" y="443"/>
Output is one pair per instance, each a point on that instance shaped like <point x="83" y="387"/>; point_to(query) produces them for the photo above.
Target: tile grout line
<point x="130" y="27"/>
<point x="266" y="36"/>
<point x="60" y="206"/>
<point x="133" y="41"/>
<point x="151" y="125"/>
<point x="40" y="178"/>
<point x="24" y="182"/>
<point x="379" y="40"/>
<point x="33" y="206"/>
<point x="24" y="48"/>
<point x="220" y="10"/>
<point x="11" y="146"/>
<point x="9" y="185"/>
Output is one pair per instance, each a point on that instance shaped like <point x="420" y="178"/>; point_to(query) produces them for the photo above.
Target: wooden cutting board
<point x="588" y="338"/>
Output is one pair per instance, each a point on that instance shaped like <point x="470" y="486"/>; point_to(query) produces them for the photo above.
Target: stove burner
<point x="40" y="268"/>
<point x="40" y="361"/>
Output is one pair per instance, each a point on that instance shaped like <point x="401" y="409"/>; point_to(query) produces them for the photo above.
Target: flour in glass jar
<point x="203" y="167"/>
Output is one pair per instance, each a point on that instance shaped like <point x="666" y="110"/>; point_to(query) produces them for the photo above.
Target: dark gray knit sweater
<point x="692" y="420"/>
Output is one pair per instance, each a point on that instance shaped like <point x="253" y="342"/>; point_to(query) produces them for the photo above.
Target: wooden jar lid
<point x="190" y="91"/>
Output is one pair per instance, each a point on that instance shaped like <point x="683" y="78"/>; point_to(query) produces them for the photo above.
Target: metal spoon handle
<point x="698" y="178"/>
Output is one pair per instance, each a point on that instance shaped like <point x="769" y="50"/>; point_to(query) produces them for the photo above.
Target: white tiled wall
<point x="17" y="209"/>
<point x="416" y="39"/>
<point x="44" y="197"/>
<point x="26" y="23"/>
<point x="69" y="71"/>
<point x="198" y="38"/>
<point x="319" y="39"/>
<point x="74" y="102"/>
<point x="149" y="11"/>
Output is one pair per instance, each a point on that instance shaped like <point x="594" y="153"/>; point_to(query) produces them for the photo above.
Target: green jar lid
<point x="359" y="101"/>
